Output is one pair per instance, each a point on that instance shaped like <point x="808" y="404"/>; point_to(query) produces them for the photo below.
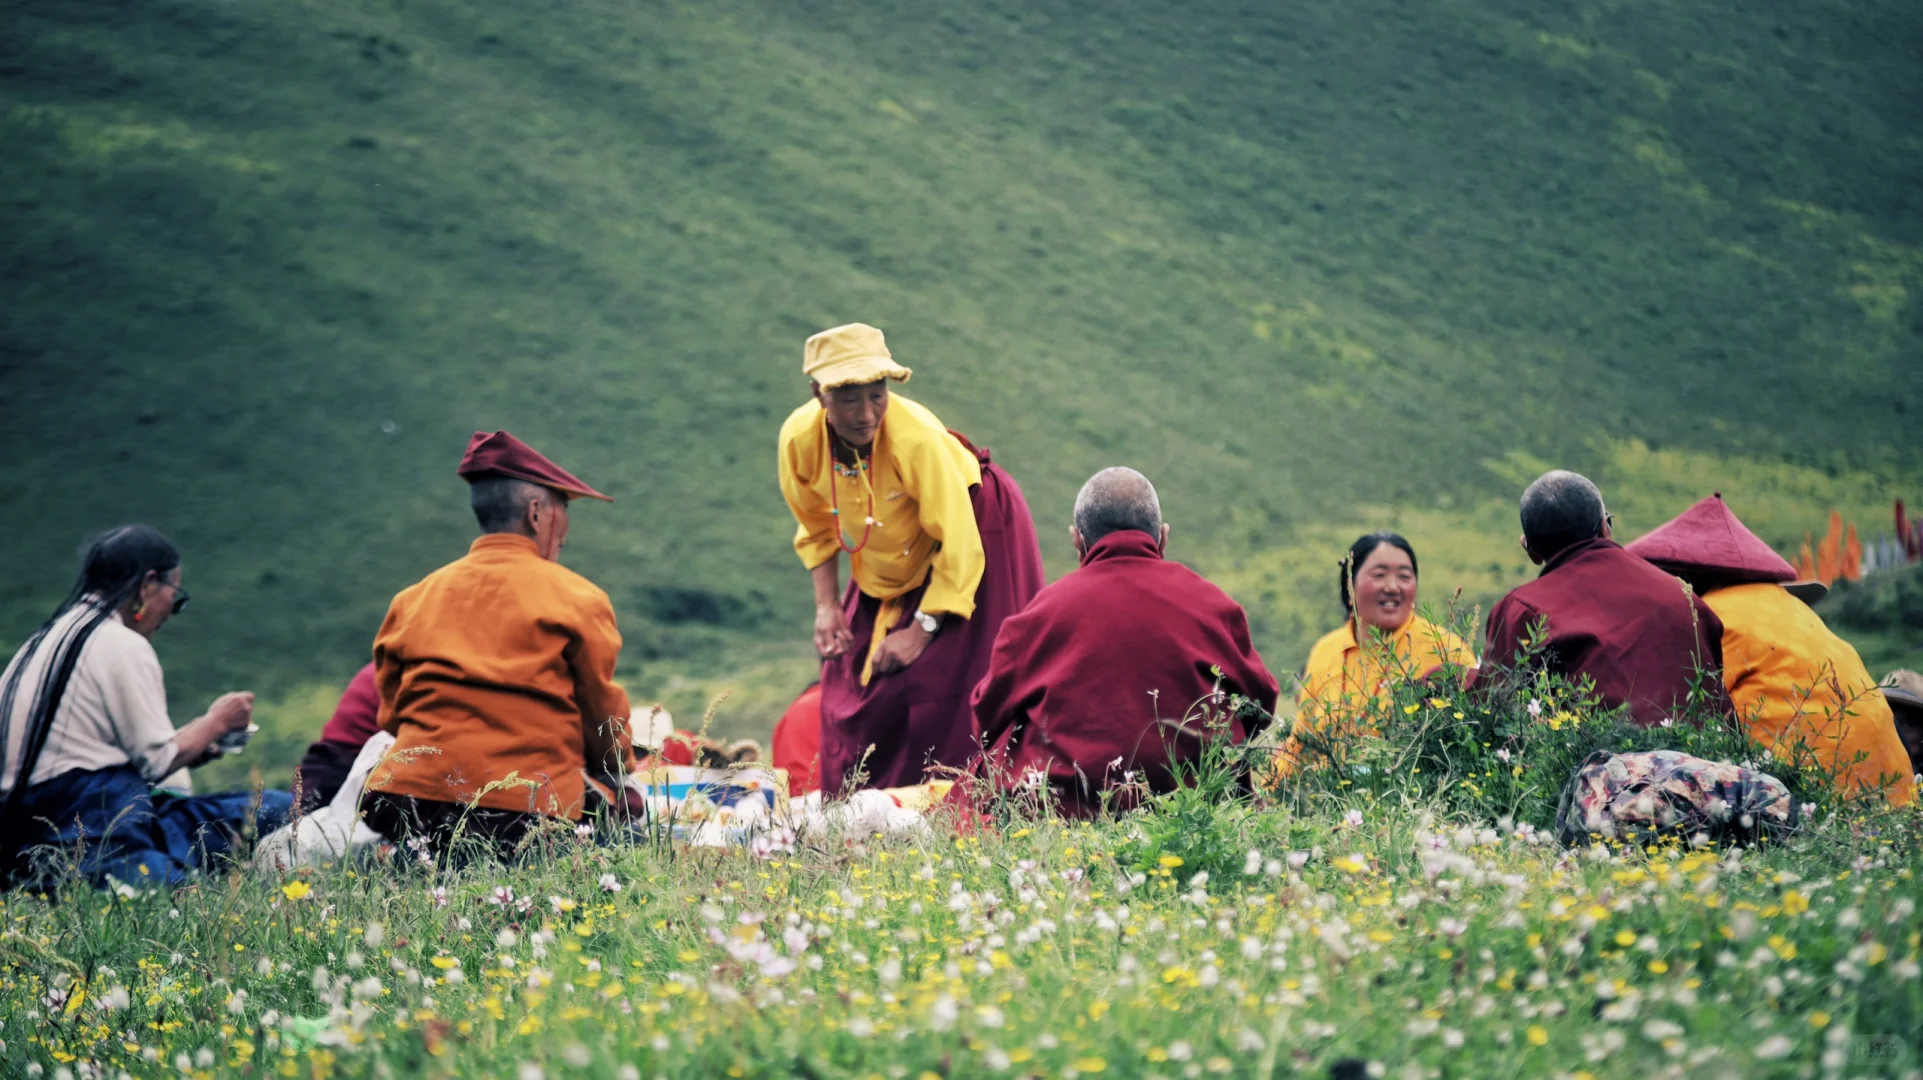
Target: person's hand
<point x="901" y="648"/>
<point x="832" y="637"/>
<point x="232" y="711"/>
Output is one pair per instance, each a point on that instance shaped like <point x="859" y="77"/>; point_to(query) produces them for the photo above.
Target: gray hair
<point x="1560" y="509"/>
<point x="500" y="502"/>
<point x="1114" y="499"/>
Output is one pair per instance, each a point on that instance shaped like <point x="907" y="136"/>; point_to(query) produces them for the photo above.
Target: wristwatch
<point x="928" y="623"/>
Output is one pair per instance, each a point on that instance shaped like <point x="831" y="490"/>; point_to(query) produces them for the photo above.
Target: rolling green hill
<point x="1315" y="267"/>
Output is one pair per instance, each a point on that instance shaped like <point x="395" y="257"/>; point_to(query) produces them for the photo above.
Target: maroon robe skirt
<point x="896" y="727"/>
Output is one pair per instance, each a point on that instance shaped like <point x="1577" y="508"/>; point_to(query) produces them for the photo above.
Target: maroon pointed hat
<point x="501" y="454"/>
<point x="1708" y="541"/>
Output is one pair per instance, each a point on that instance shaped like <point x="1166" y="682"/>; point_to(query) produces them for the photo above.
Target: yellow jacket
<point x="924" y="519"/>
<point x="1792" y="680"/>
<point x="1343" y="679"/>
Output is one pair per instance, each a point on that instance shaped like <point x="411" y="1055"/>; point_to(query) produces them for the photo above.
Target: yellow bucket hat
<point x="850" y="355"/>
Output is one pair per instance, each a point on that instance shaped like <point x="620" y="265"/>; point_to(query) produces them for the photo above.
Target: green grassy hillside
<point x="1316" y="267"/>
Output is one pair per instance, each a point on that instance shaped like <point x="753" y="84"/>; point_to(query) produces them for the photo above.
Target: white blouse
<point x="114" y="711"/>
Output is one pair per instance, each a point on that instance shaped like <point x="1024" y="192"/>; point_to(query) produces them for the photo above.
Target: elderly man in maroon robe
<point x="1119" y="673"/>
<point x="1641" y="635"/>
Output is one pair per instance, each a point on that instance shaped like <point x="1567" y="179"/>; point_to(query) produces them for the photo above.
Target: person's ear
<point x="536" y="512"/>
<point x="1161" y="542"/>
<point x="1534" y="559"/>
<point x="1608" y="528"/>
<point x="1075" y="538"/>
<point x="814" y="387"/>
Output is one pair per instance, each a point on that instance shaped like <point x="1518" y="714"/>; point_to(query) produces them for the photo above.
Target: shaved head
<point x="1115" y="499"/>
<point x="500" y="502"/>
<point x="1560" y="509"/>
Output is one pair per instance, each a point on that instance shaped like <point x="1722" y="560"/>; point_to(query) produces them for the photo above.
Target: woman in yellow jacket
<point x="1351" y="669"/>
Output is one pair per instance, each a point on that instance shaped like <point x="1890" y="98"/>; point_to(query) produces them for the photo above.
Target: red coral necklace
<point x="860" y="469"/>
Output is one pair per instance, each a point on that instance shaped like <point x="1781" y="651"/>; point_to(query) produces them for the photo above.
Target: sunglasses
<point x="180" y="595"/>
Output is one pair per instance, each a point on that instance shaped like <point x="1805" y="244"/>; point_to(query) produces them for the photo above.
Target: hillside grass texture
<point x="1317" y="268"/>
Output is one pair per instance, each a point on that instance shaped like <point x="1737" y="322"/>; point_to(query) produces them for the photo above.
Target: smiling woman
<point x="1349" y="670"/>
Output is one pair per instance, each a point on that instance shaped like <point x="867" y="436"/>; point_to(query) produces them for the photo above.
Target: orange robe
<point x="1791" y="679"/>
<point x="501" y="662"/>
<point x="1343" y="680"/>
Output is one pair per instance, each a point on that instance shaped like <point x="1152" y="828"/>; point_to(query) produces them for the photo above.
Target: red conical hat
<point x="501" y="454"/>
<point x="1706" y="540"/>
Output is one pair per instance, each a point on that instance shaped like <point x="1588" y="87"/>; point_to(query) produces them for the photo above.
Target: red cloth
<point x="501" y="454"/>
<point x="1707" y="541"/>
<point x="1083" y="683"/>
<point x="797" y="743"/>
<point x="1619" y="620"/>
<point x="357" y="717"/>
<point x="677" y="749"/>
<point x="900" y="724"/>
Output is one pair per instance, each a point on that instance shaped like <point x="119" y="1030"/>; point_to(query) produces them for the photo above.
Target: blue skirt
<point x="107" y="822"/>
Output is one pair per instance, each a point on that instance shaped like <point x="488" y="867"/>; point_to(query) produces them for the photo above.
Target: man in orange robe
<point x="1793" y="682"/>
<point x="496" y="672"/>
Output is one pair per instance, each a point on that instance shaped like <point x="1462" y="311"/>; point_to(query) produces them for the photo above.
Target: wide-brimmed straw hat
<point x="851" y="355"/>
<point x="1904" y="689"/>
<point x="1809" y="592"/>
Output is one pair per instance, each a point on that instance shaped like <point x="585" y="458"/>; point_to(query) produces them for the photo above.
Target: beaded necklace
<point x="860" y="469"/>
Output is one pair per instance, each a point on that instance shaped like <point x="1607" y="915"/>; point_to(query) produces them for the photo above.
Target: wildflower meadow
<point x="1387" y="918"/>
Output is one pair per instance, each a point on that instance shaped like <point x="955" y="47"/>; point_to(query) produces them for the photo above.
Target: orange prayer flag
<point x="1805" y="562"/>
<point x="1829" y="554"/>
<point x="1852" y="557"/>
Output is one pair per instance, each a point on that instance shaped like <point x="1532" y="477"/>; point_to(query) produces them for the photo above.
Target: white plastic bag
<point x="331" y="832"/>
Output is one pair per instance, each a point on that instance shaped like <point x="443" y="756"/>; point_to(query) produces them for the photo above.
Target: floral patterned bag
<point x="1644" y="796"/>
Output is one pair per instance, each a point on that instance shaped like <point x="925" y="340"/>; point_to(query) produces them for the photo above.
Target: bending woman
<point x="84" y="733"/>
<point x="1350" y="670"/>
<point x="941" y="549"/>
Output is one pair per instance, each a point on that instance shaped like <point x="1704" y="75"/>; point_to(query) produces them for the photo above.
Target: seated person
<point x="327" y="762"/>
<point x="1094" y="686"/>
<point x="496" y="672"/>
<point x="84" y="734"/>
<point x="1350" y="669"/>
<point x="1903" y="689"/>
<point x="797" y="742"/>
<point x="1598" y="611"/>
<point x="1790" y="679"/>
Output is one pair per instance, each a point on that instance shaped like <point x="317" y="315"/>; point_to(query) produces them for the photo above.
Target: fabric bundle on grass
<point x="1646" y="796"/>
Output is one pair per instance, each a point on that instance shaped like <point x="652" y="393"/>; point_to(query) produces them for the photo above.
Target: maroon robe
<point x="324" y="768"/>
<point x="1612" y="616"/>
<point x="1088" y="683"/>
<point x="902" y="723"/>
